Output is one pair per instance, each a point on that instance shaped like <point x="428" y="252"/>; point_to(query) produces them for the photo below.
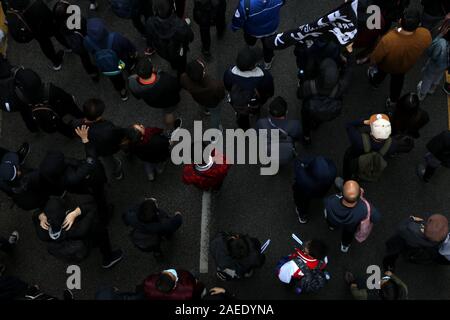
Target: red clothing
<point x="149" y="133"/>
<point x="210" y="179"/>
<point x="187" y="288"/>
<point x="290" y="269"/>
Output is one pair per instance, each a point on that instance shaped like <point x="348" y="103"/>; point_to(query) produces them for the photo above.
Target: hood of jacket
<point x="96" y="30"/>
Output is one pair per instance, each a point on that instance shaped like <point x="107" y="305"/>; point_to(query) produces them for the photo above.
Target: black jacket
<point x="409" y="124"/>
<point x="439" y="146"/>
<point x="168" y="36"/>
<point x="38" y="17"/>
<point x="59" y="174"/>
<point x="148" y="236"/>
<point x="219" y="251"/>
<point x="164" y="93"/>
<point x="26" y="191"/>
<point x="104" y="136"/>
<point x="83" y="225"/>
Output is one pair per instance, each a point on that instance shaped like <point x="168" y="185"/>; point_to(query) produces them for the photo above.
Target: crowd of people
<point x="67" y="198"/>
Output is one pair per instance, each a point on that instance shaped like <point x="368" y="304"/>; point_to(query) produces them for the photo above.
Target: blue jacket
<point x="314" y="175"/>
<point x="97" y="33"/>
<point x="263" y="18"/>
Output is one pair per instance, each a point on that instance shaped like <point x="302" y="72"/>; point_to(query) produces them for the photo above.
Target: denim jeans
<point x="430" y="77"/>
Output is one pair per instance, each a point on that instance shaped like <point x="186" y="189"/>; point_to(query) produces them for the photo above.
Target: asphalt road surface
<point x="261" y="206"/>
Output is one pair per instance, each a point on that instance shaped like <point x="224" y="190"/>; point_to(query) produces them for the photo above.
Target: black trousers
<point x="88" y="66"/>
<point x="104" y="243"/>
<point x="348" y="233"/>
<point x="5" y="246"/>
<point x="205" y="26"/>
<point x="145" y="10"/>
<point x="118" y="82"/>
<point x="302" y="202"/>
<point x="251" y="41"/>
<point x="47" y="47"/>
<point x="396" y="84"/>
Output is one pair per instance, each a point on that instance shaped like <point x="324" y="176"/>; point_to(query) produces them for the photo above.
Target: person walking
<point x="314" y="176"/>
<point x="347" y="211"/>
<point x="208" y="92"/>
<point x="397" y="52"/>
<point x="258" y="19"/>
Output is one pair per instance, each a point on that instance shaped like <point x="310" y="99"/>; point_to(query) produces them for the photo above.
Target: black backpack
<point x="322" y="108"/>
<point x="7" y="88"/>
<point x="42" y="113"/>
<point x="244" y="101"/>
<point x="313" y="279"/>
<point x="17" y="26"/>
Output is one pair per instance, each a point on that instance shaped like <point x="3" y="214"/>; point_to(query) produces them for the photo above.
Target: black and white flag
<point x="340" y="24"/>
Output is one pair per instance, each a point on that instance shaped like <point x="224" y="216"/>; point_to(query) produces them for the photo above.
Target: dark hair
<point x="389" y="291"/>
<point x="410" y="20"/>
<point x="163" y="8"/>
<point x="278" y="107"/>
<point x="147" y="211"/>
<point x="144" y="68"/>
<point x="195" y="71"/>
<point x="93" y="109"/>
<point x="60" y="12"/>
<point x="132" y="135"/>
<point x="409" y="102"/>
<point x="246" y="59"/>
<point x="238" y="248"/>
<point x="164" y="283"/>
<point x="317" y="249"/>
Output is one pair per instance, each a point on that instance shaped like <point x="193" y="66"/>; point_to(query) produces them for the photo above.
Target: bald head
<point x="351" y="191"/>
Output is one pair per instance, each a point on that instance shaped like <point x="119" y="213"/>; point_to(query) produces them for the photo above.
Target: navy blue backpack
<point x="106" y="59"/>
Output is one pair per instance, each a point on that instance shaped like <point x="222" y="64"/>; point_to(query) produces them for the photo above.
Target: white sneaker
<point x="93" y="6"/>
<point x="14" y="237"/>
<point x="188" y="21"/>
<point x="151" y="176"/>
<point x="344" y="249"/>
<point x="268" y="65"/>
<point x="419" y="92"/>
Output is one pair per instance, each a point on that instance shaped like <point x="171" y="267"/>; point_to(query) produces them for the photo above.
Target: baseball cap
<point x="380" y="126"/>
<point x="9" y="166"/>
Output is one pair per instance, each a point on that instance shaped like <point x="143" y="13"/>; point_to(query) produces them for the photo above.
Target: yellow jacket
<point x="4" y="28"/>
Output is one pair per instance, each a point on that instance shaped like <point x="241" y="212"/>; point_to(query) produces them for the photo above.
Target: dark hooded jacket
<point x="221" y="254"/>
<point x="147" y="236"/>
<point x="56" y="210"/>
<point x="168" y="36"/>
<point x="7" y="87"/>
<point x="38" y="16"/>
<point x="314" y="176"/>
<point x="339" y="215"/>
<point x="439" y="146"/>
<point x="59" y="174"/>
<point x="104" y="136"/>
<point x="97" y="33"/>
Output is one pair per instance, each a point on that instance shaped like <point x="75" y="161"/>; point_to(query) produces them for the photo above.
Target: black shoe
<point x="349" y="278"/>
<point x="2" y="269"/>
<point x="68" y="295"/>
<point x="420" y="170"/>
<point x="124" y="95"/>
<point x="116" y="257"/>
<point x="60" y="56"/>
<point x="446" y="88"/>
<point x="23" y="152"/>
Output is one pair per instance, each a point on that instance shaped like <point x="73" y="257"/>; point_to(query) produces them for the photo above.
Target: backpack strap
<point x="366" y="142"/>
<point x="386" y="147"/>
<point x="247" y="8"/>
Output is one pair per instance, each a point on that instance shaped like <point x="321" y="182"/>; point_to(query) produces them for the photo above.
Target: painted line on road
<point x="204" y="235"/>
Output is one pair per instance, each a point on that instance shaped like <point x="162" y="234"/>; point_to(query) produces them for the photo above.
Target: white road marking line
<point x="204" y="235"/>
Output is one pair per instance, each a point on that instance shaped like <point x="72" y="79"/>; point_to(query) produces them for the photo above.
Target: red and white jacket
<point x="291" y="270"/>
